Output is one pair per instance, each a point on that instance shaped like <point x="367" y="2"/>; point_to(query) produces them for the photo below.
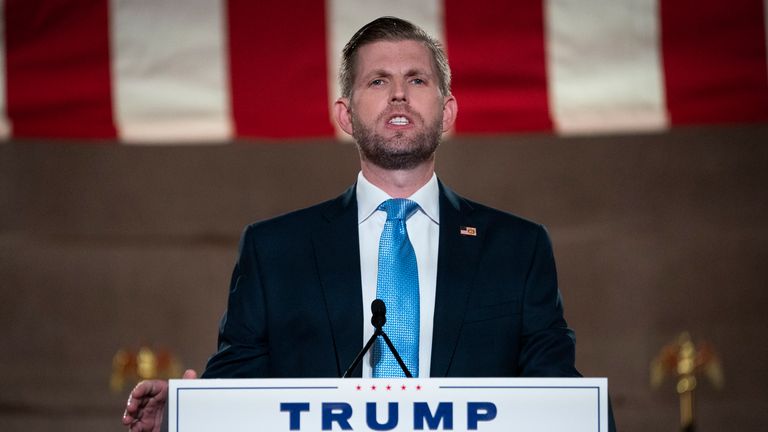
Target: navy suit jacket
<point x="295" y="301"/>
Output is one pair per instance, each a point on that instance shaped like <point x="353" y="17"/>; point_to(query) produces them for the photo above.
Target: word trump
<point x="340" y="413"/>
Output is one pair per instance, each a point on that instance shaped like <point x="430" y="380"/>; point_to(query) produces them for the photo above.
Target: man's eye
<point x="417" y="81"/>
<point x="377" y="82"/>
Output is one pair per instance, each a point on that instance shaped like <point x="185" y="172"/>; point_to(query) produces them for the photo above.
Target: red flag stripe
<point x="497" y="55"/>
<point x="715" y="61"/>
<point x="275" y="94"/>
<point x="58" y="69"/>
<point x="5" y="128"/>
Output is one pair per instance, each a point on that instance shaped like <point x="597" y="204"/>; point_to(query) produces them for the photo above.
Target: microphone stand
<point x="396" y="354"/>
<point x="378" y="320"/>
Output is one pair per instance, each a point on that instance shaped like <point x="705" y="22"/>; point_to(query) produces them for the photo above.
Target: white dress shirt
<point x="424" y="232"/>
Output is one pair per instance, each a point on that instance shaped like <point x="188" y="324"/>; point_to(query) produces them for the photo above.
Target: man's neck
<point x="398" y="183"/>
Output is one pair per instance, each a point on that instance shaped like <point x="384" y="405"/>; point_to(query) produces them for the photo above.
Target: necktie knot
<point x="399" y="208"/>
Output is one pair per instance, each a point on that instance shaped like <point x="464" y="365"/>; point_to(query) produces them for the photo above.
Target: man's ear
<point x="341" y="113"/>
<point x="450" y="109"/>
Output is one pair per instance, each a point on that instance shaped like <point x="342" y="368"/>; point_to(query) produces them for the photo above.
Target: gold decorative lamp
<point x="683" y="360"/>
<point x="130" y="366"/>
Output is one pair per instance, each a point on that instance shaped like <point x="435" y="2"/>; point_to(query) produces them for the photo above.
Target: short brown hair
<point x="391" y="29"/>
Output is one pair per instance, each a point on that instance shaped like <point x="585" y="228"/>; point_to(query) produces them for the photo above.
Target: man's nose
<point x="399" y="92"/>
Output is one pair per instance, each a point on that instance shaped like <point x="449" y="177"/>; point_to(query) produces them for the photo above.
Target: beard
<point x="400" y="152"/>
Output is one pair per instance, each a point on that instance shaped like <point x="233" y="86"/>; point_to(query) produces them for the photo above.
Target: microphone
<point x="378" y="319"/>
<point x="379" y="313"/>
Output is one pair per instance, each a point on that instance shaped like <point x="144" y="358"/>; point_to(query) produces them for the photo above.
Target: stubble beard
<point x="400" y="152"/>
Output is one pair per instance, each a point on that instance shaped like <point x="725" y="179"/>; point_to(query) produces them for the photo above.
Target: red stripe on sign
<point x="278" y="68"/>
<point x="497" y="55"/>
<point x="58" y="69"/>
<point x="715" y="61"/>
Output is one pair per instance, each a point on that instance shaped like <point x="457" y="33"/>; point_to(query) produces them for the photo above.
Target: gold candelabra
<point x="132" y="366"/>
<point x="683" y="360"/>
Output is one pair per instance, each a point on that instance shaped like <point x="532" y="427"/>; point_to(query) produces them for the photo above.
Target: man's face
<point x="397" y="113"/>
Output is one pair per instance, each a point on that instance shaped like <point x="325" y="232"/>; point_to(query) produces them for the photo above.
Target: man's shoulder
<point x="505" y="234"/>
<point x="303" y="220"/>
<point x="491" y="216"/>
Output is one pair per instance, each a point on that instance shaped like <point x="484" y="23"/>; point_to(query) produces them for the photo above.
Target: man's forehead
<point x="405" y="56"/>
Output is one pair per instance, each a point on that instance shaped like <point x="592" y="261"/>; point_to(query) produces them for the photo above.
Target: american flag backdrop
<point x="155" y="71"/>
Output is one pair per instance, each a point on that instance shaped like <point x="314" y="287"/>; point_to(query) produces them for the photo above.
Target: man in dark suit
<point x="489" y="301"/>
<point x="296" y="309"/>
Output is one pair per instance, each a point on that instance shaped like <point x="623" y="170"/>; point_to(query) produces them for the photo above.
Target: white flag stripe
<point x="604" y="66"/>
<point x="5" y="129"/>
<point x="345" y="17"/>
<point x="170" y="74"/>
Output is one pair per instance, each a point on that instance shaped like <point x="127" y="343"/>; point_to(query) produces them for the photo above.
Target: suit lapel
<point x="458" y="256"/>
<point x="337" y="254"/>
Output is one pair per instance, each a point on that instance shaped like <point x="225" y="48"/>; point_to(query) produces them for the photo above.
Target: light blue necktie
<point x="398" y="285"/>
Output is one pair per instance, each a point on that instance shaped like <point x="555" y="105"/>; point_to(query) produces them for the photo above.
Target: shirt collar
<point x="369" y="197"/>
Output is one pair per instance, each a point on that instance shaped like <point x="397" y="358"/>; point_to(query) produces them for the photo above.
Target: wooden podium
<point x="457" y="404"/>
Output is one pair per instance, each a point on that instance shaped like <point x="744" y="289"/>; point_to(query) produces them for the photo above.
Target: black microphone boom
<point x="378" y="319"/>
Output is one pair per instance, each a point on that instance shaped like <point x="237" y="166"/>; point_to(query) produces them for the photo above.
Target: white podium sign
<point x="456" y="404"/>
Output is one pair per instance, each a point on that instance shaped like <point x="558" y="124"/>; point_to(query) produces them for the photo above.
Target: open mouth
<point x="399" y="121"/>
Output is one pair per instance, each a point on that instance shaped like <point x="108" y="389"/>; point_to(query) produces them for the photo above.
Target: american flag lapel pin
<point x="468" y="231"/>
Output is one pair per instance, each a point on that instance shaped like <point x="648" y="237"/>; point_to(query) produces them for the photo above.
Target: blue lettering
<point x="294" y="410"/>
<point x="479" y="411"/>
<point x="338" y="412"/>
<point x="443" y="413"/>
<point x="373" y="423"/>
